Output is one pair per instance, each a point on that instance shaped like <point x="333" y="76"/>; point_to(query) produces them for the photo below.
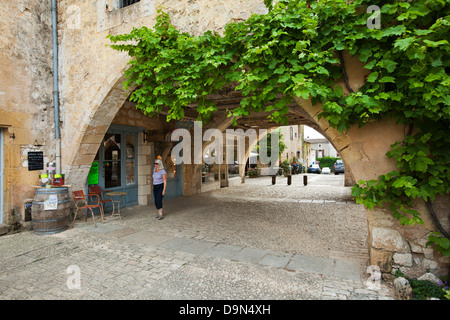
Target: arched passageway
<point x="362" y="149"/>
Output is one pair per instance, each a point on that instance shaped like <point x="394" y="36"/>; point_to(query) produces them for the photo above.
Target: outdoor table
<point x="116" y="194"/>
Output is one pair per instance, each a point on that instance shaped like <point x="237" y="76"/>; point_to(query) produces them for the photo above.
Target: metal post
<point x="56" y="85"/>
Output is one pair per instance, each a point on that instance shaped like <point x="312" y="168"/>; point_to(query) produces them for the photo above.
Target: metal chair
<point x="81" y="203"/>
<point x="97" y="190"/>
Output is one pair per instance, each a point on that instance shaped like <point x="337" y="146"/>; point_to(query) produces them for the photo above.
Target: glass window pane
<point x="112" y="146"/>
<point x="170" y="167"/>
<point x="112" y="174"/>
<point x="130" y="172"/>
<point x="131" y="161"/>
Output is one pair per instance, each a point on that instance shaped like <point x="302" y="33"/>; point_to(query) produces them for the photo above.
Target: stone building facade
<point x="293" y="139"/>
<point x="95" y="113"/>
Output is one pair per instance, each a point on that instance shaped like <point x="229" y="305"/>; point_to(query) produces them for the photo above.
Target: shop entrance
<point x="115" y="165"/>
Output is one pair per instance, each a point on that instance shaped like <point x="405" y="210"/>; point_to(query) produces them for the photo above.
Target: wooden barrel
<point x="50" y="218"/>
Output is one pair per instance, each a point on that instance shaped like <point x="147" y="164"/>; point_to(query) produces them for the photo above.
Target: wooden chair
<point x="81" y="203"/>
<point x="97" y="190"/>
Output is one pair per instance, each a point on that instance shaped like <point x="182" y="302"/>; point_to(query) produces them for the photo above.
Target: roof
<point x="318" y="140"/>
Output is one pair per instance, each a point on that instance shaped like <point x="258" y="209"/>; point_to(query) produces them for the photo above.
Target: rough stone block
<point x="388" y="239"/>
<point x="381" y="258"/>
<point x="404" y="259"/>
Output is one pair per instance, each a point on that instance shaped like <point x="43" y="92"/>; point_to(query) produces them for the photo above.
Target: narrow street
<point x="254" y="241"/>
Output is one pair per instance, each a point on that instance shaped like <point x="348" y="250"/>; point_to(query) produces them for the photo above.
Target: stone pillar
<point x="144" y="171"/>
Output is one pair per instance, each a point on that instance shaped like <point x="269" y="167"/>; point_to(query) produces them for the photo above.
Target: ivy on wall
<point x="295" y="50"/>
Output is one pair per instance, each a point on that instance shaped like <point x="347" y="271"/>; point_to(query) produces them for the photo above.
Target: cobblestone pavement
<point x="254" y="241"/>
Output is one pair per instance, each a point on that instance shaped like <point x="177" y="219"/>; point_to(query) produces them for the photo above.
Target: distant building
<point x="293" y="139"/>
<point x="320" y="147"/>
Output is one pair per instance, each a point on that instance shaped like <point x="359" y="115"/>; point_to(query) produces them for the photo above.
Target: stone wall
<point x="26" y="100"/>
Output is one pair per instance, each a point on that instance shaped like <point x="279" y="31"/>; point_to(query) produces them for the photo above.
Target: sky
<point x="312" y="134"/>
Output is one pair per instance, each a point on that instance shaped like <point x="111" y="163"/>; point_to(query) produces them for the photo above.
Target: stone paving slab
<point x="250" y="255"/>
<point x="312" y="264"/>
<point x="226" y="251"/>
<point x="330" y="267"/>
<point x="197" y="246"/>
<point x="277" y="261"/>
<point x="176" y="243"/>
<point x="347" y="270"/>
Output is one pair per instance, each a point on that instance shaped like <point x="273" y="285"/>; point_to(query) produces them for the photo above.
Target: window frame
<point x="126" y="3"/>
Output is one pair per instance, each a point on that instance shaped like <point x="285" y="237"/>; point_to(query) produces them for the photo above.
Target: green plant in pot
<point x="253" y="172"/>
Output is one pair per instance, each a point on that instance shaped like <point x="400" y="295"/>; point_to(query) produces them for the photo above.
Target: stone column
<point x="144" y="171"/>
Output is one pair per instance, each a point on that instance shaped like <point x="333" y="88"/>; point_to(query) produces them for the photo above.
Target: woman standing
<point x="159" y="186"/>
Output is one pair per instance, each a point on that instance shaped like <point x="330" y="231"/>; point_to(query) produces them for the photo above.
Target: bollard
<point x="305" y="180"/>
<point x="289" y="180"/>
<point x="274" y="179"/>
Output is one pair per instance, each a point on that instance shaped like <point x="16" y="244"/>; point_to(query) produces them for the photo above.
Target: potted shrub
<point x="286" y="168"/>
<point x="252" y="172"/>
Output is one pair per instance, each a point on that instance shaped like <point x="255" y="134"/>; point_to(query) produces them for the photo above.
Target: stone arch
<point x="94" y="126"/>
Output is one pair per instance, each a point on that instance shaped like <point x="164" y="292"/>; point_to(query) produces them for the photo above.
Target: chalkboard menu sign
<point x="35" y="160"/>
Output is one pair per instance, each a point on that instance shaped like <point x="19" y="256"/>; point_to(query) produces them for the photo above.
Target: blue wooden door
<point x="117" y="161"/>
<point x="174" y="175"/>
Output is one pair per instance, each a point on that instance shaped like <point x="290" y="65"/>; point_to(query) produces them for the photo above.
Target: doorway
<point x="115" y="167"/>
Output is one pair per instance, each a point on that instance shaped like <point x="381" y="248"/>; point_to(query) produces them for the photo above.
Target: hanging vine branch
<point x="344" y="72"/>
<point x="291" y="52"/>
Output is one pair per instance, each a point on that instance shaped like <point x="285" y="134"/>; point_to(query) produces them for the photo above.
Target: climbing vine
<point x="295" y="50"/>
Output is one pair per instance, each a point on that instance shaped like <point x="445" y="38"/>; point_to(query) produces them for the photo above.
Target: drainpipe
<point x="56" y="85"/>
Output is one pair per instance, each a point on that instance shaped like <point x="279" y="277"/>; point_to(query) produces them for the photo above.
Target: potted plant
<point x="252" y="172"/>
<point x="286" y="168"/>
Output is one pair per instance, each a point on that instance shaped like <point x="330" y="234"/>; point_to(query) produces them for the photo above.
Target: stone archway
<point x="362" y="149"/>
<point x="94" y="125"/>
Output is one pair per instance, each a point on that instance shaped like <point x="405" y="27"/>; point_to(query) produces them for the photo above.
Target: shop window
<point x="131" y="160"/>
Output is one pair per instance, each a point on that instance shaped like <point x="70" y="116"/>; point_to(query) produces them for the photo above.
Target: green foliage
<point x="441" y="243"/>
<point x="327" y="162"/>
<point x="446" y="294"/>
<point x="285" y="166"/>
<point x="423" y="289"/>
<point x="292" y="52"/>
